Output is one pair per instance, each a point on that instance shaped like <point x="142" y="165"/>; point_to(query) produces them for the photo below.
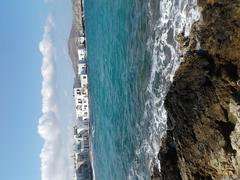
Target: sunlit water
<point x="132" y="56"/>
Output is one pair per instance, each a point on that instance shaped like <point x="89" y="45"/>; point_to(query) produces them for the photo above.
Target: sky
<point x="36" y="86"/>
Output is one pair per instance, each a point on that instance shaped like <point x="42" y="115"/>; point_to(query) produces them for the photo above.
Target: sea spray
<point x="173" y="18"/>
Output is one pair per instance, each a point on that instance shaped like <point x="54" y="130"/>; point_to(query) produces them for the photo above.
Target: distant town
<point x="81" y="129"/>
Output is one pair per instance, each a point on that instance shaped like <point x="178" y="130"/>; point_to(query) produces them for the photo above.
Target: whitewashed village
<point x="81" y="129"/>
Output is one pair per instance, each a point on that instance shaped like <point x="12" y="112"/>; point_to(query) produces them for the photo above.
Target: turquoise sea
<point x="132" y="56"/>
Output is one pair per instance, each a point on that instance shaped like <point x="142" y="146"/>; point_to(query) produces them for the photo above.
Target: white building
<point x="81" y="101"/>
<point x="81" y="54"/>
<point x="81" y="40"/>
<point x="81" y="144"/>
<point x="82" y="68"/>
<point x="79" y="92"/>
<point x="82" y="109"/>
<point x="80" y="133"/>
<point x="84" y="80"/>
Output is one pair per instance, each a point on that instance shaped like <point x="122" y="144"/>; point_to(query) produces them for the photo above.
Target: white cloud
<point x="55" y="158"/>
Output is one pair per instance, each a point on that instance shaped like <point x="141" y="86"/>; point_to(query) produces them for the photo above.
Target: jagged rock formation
<point x="203" y="103"/>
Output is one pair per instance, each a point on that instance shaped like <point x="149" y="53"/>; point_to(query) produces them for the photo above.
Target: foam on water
<point x="175" y="16"/>
<point x="132" y="56"/>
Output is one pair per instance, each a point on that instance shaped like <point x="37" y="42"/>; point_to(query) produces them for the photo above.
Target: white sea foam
<point x="175" y="16"/>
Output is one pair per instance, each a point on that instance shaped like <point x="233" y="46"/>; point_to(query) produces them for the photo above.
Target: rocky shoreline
<point x="203" y="103"/>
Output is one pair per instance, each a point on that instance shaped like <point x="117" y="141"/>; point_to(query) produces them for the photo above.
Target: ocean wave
<point x="173" y="17"/>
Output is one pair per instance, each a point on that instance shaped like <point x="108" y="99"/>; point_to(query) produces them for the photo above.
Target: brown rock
<point x="203" y="103"/>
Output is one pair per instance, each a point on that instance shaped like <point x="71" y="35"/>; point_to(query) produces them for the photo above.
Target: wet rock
<point x="203" y="103"/>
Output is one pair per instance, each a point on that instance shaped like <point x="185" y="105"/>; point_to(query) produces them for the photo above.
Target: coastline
<point x="82" y="146"/>
<point x="202" y="141"/>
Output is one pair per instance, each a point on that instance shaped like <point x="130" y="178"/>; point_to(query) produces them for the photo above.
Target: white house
<point x="81" y="54"/>
<point x="84" y="91"/>
<point x="79" y="92"/>
<point x="84" y="80"/>
<point x="80" y="133"/>
<point x="86" y="113"/>
<point x="81" y="141"/>
<point x="84" y="105"/>
<point x="81" y="39"/>
<point x="81" y="102"/>
<point x="82" y="68"/>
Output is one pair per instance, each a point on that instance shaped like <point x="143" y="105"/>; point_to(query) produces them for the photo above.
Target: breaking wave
<point x="166" y="20"/>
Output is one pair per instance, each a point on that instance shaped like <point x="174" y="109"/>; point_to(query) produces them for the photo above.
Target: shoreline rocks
<point x="203" y="103"/>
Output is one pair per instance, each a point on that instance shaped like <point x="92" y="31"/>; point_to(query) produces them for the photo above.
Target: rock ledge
<point x="203" y="103"/>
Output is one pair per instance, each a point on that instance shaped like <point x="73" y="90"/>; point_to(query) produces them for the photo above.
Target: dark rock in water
<point x="203" y="103"/>
<point x="168" y="157"/>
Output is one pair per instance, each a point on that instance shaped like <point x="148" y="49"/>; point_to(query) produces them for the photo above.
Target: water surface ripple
<point x="132" y="54"/>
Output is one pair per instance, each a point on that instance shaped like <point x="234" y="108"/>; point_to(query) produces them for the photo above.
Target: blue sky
<point x="22" y="28"/>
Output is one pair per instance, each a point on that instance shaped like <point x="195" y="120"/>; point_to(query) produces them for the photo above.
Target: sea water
<point x="132" y="56"/>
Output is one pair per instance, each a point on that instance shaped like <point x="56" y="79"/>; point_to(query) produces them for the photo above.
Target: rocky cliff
<point x="203" y="103"/>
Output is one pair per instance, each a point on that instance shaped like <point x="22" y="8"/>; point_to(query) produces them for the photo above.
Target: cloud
<point x="54" y="155"/>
